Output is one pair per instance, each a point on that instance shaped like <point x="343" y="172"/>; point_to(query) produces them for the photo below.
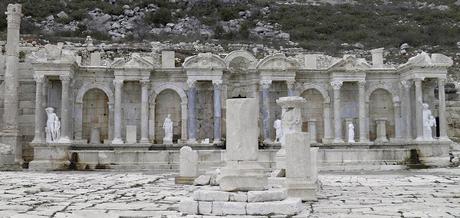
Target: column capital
<point x="65" y="78"/>
<point x="442" y="80"/>
<point x="406" y="83"/>
<point x="290" y="84"/>
<point x="417" y="80"/>
<point x="191" y="83"/>
<point x="144" y="82"/>
<point x="265" y="83"/>
<point x="39" y="78"/>
<point x="361" y="83"/>
<point x="217" y="83"/>
<point x="117" y="82"/>
<point x="337" y="84"/>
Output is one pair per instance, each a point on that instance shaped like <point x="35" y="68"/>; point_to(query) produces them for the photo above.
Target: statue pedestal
<point x="381" y="130"/>
<point x="167" y="141"/>
<point x="50" y="157"/>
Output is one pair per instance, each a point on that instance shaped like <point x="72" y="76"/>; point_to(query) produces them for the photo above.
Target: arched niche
<point x="381" y="106"/>
<point x="95" y="114"/>
<point x="313" y="109"/>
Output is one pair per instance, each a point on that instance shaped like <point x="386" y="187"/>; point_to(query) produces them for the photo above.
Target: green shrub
<point x="161" y="16"/>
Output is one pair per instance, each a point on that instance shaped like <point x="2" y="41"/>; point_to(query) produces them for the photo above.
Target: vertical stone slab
<point x="167" y="59"/>
<point x="242" y="129"/>
<point x="381" y="130"/>
<point x="299" y="175"/>
<point x="188" y="166"/>
<point x="95" y="59"/>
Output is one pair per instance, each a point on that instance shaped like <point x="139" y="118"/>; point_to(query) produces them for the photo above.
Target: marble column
<point x="407" y="109"/>
<point x="418" y="108"/>
<point x="265" y="84"/>
<point x="191" y="111"/>
<point x="336" y="85"/>
<point x="312" y="130"/>
<point x="118" y="83"/>
<point x="442" y="110"/>
<point x="38" y="137"/>
<point x="363" y="132"/>
<point x="398" y="120"/>
<point x="327" y="123"/>
<point x="65" y="110"/>
<point x="217" y="84"/>
<point x="184" y="110"/>
<point x="291" y="87"/>
<point x="144" y="111"/>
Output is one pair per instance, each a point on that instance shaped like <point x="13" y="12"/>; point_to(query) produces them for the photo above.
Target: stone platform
<point x="211" y="201"/>
<point x="331" y="157"/>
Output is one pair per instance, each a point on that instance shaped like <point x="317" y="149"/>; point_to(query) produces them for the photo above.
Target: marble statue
<point x="278" y="129"/>
<point x="168" y="127"/>
<point x="351" y="133"/>
<point x="428" y="122"/>
<point x="53" y="126"/>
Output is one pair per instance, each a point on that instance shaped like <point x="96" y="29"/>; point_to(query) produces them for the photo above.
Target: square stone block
<point x="229" y="208"/>
<point x="204" y="207"/>
<point x="188" y="206"/>
<point x="267" y="195"/>
<point x="243" y="183"/>
<point x="289" y="206"/>
<point x="210" y="195"/>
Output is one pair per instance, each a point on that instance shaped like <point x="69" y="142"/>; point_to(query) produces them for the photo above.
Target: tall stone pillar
<point x="38" y="137"/>
<point x="291" y="87"/>
<point x="118" y="83"/>
<point x="407" y="109"/>
<point x="65" y="110"/>
<point x="336" y="85"/>
<point x="144" y="110"/>
<point x="327" y="123"/>
<point x="191" y="111"/>
<point x="312" y="130"/>
<point x="418" y="109"/>
<point x="265" y="84"/>
<point x="442" y="110"/>
<point x="11" y="103"/>
<point x="217" y="84"/>
<point x="398" y="121"/>
<point x="363" y="132"/>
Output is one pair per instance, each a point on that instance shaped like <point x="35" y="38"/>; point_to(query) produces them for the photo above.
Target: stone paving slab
<point x="418" y="193"/>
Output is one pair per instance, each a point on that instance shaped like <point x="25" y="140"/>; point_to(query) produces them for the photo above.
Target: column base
<point x="65" y="140"/>
<point x="37" y="141"/>
<point x="144" y="141"/>
<point x="364" y="140"/>
<point x="217" y="141"/>
<point x="338" y="141"/>
<point x="192" y="141"/>
<point x="268" y="141"/>
<point x="327" y="140"/>
<point x="117" y="141"/>
<point x="444" y="139"/>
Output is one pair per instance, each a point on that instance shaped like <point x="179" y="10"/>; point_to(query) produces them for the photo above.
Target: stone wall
<point x="278" y="89"/>
<point x="131" y="107"/>
<point x="95" y="114"/>
<point x="381" y="106"/>
<point x="313" y="109"/>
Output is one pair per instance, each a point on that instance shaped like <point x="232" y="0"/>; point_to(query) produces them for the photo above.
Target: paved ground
<point x="421" y="193"/>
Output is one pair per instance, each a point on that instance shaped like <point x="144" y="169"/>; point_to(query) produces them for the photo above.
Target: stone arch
<point x="313" y="109"/>
<point x="386" y="87"/>
<point x="156" y="90"/>
<point x="277" y="62"/>
<point x="250" y="60"/>
<point x="78" y="128"/>
<point x="381" y="105"/>
<point x="204" y="60"/>
<point x="318" y="88"/>
<point x="88" y="86"/>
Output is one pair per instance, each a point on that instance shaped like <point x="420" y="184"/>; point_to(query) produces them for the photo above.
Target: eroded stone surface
<point x="420" y="193"/>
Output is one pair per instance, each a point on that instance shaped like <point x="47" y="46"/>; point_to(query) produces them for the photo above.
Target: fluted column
<point x="336" y="85"/>
<point x="291" y="87"/>
<point x="144" y="110"/>
<point x="265" y="84"/>
<point x="407" y="109"/>
<point x="38" y="137"/>
<point x="65" y="121"/>
<point x="217" y="84"/>
<point x="118" y="83"/>
<point x="363" y="132"/>
<point x="418" y="108"/>
<point x="191" y="111"/>
<point x="442" y="110"/>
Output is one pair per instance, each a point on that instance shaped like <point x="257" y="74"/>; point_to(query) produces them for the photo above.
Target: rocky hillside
<point x="329" y="26"/>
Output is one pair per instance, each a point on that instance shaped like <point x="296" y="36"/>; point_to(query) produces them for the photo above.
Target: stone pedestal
<point x="188" y="166"/>
<point x="242" y="171"/>
<point x="291" y="118"/>
<point x="131" y="134"/>
<point x="7" y="158"/>
<point x="298" y="167"/>
<point x="50" y="157"/>
<point x="95" y="135"/>
<point x="381" y="130"/>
